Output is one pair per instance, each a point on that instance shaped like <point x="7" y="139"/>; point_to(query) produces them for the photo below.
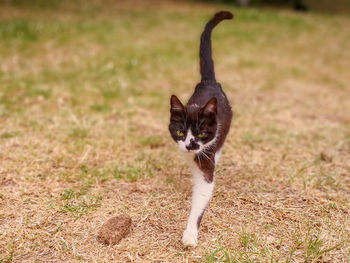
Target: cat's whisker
<point x="199" y="160"/>
<point x="207" y="157"/>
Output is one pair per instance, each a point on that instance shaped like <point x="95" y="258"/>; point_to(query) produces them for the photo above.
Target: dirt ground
<point x="84" y="109"/>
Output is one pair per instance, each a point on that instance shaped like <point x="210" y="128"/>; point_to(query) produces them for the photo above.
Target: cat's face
<point x="192" y="127"/>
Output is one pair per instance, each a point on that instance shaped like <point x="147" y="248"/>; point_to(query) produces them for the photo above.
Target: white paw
<point x="189" y="238"/>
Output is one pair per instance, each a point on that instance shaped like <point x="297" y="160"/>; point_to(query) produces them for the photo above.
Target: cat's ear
<point x="176" y="104"/>
<point x="210" y="108"/>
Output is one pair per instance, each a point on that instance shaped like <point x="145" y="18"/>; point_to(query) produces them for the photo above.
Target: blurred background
<point x="84" y="111"/>
<point x="338" y="6"/>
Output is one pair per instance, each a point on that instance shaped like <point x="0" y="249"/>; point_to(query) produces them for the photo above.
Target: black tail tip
<point x="223" y="15"/>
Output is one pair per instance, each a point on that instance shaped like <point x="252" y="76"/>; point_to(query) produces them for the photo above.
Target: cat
<point x="200" y="128"/>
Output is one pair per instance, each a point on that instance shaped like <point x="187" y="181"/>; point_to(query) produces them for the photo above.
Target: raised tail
<point x="205" y="53"/>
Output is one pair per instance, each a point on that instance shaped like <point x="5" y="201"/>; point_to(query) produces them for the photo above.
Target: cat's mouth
<point x="186" y="150"/>
<point x="195" y="149"/>
<point x="193" y="146"/>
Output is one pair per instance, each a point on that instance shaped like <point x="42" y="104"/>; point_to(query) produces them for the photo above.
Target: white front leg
<point x="202" y="192"/>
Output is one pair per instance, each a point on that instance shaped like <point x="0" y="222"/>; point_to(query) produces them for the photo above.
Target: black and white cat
<point x="200" y="128"/>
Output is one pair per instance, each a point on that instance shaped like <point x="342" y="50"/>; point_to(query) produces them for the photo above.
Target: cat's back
<point x="205" y="91"/>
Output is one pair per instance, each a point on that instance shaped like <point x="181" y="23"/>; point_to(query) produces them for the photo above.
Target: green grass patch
<point x="79" y="133"/>
<point x="79" y="202"/>
<point x="19" y="30"/>
<point x="100" y="107"/>
<point x="310" y="248"/>
<point x="8" y="135"/>
<point x="154" y="141"/>
<point x="252" y="139"/>
<point x="8" y="258"/>
<point x="129" y="173"/>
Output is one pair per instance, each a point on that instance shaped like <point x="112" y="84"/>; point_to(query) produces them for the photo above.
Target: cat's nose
<point x="192" y="145"/>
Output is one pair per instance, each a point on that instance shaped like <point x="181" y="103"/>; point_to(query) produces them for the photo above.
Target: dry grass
<point x="83" y="133"/>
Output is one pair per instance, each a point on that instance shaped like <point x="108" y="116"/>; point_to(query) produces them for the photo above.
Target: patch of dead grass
<point x="75" y="156"/>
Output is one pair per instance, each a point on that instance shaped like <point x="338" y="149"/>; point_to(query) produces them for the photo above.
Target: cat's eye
<point x="180" y="133"/>
<point x="201" y="135"/>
